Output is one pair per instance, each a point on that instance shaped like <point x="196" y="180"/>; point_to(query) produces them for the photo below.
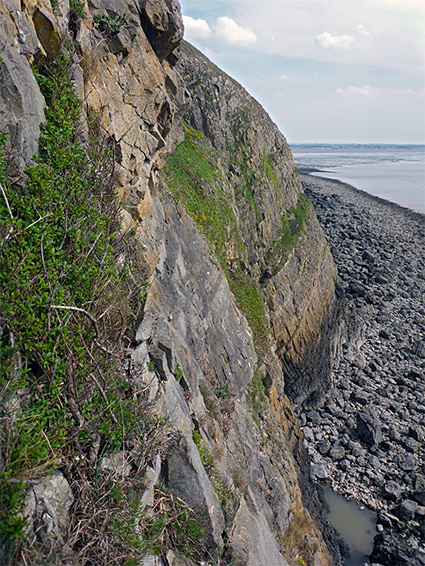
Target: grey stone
<point x="361" y="461"/>
<point x="117" y="465"/>
<point x="324" y="446"/>
<point x="407" y="462"/>
<point x="151" y="560"/>
<point x="47" y="508"/>
<point x="392" y="490"/>
<point x="314" y="417"/>
<point x="337" y="453"/>
<point x="419" y="349"/>
<point x="416" y="432"/>
<point x="320" y="471"/>
<point x="407" y="509"/>
<point x="369" y="429"/>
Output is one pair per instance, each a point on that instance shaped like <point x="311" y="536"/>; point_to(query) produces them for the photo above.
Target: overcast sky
<point x="325" y="70"/>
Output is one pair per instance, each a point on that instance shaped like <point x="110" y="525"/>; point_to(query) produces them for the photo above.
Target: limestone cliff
<point x="241" y="309"/>
<point x="284" y="250"/>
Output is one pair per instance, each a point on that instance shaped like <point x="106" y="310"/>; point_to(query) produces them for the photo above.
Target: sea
<point x="392" y="172"/>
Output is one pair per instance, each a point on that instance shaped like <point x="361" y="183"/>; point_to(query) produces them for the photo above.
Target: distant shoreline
<point x="357" y="145"/>
<point x="306" y="171"/>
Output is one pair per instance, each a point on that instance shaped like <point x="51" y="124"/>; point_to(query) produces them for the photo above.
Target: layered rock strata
<point x="283" y="246"/>
<point x="216" y="369"/>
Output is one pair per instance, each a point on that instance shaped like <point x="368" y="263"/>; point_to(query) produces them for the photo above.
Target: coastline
<point x="368" y="439"/>
<point x="307" y="172"/>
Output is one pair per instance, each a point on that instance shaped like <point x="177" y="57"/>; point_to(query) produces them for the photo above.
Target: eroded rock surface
<point x="238" y="459"/>
<point x="285" y="250"/>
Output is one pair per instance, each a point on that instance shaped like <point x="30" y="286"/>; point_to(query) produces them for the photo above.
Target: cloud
<point x="230" y="32"/>
<point x="364" y="90"/>
<point x="363" y="30"/>
<point x="196" y="28"/>
<point x="327" y="40"/>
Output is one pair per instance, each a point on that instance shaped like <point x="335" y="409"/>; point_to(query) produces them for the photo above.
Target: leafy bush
<point x="108" y="25"/>
<point x="78" y="8"/>
<point x="71" y="288"/>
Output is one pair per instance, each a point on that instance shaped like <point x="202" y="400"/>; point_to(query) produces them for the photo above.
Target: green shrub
<point x="67" y="310"/>
<point x="77" y="7"/>
<point x="108" y="25"/>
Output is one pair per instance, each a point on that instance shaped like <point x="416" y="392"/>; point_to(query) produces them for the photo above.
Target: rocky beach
<point x="367" y="441"/>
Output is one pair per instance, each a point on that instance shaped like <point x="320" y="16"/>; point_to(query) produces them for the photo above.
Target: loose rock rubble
<point x="367" y="441"/>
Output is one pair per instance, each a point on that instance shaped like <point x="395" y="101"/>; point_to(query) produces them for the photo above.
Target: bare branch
<point x="7" y="202"/>
<point x="83" y="311"/>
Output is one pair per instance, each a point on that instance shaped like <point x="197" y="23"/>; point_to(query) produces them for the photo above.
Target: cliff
<point x="172" y="407"/>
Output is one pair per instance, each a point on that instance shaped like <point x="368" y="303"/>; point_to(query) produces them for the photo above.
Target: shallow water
<point x="402" y="183"/>
<point x="356" y="526"/>
<point x="396" y="174"/>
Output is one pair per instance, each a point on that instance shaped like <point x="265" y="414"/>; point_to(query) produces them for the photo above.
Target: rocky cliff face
<point x="242" y="309"/>
<point x="283" y="247"/>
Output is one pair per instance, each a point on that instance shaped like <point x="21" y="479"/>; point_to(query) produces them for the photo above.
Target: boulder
<point x="369" y="429"/>
<point x="407" y="462"/>
<point x="163" y="25"/>
<point x="337" y="453"/>
<point x="320" y="471"/>
<point x="392" y="491"/>
<point x="407" y="509"/>
<point x="324" y="446"/>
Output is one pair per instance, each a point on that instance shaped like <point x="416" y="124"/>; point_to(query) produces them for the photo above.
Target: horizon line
<point x="422" y="144"/>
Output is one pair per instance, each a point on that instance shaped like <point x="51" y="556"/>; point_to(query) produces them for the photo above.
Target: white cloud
<point x="196" y="28"/>
<point x="230" y="32"/>
<point x="327" y="40"/>
<point x="363" y="30"/>
<point x="364" y="90"/>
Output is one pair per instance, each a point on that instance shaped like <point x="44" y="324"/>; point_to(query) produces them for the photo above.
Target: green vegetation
<point x="178" y="372"/>
<point x="270" y="172"/>
<point x="242" y="158"/>
<point x="257" y="400"/>
<point x="67" y="309"/>
<point x="293" y="224"/>
<point x="108" y="25"/>
<point x="193" y="177"/>
<point x="77" y="7"/>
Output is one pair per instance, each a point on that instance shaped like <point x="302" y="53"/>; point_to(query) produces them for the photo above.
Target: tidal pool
<point x="356" y="526"/>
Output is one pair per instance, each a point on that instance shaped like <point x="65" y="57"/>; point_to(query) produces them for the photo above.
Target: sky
<point x="327" y="71"/>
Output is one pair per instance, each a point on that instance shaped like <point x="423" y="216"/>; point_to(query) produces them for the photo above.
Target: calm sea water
<point x="395" y="173"/>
